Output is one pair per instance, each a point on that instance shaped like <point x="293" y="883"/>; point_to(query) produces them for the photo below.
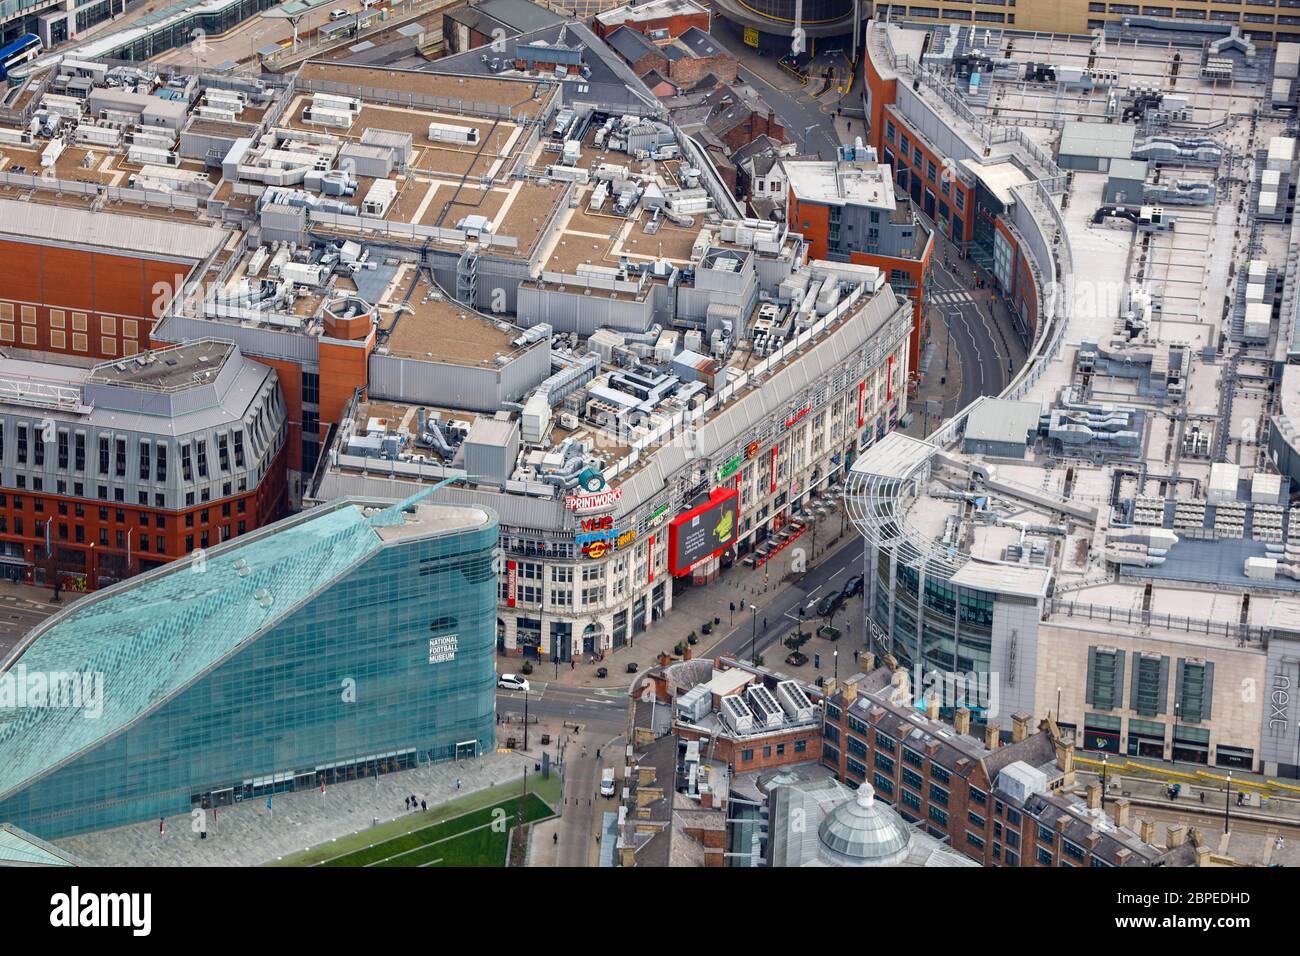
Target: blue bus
<point x="26" y="47"/>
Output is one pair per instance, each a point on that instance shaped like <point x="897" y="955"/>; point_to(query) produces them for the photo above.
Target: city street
<point x="22" y="607"/>
<point x="780" y="616"/>
<point x="574" y="705"/>
<point x="984" y="341"/>
<point x="807" y="118"/>
<point x="586" y="728"/>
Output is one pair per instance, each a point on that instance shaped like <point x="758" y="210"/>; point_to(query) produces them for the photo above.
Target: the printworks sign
<point x="600" y="501"/>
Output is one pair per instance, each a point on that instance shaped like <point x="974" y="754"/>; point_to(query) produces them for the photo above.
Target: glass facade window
<point x="1105" y="686"/>
<point x="1195" y="690"/>
<point x="236" y="683"/>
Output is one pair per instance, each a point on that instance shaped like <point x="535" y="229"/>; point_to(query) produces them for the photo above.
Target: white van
<point x="607" y="782"/>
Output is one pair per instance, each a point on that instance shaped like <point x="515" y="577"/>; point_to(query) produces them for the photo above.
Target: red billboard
<point x="703" y="532"/>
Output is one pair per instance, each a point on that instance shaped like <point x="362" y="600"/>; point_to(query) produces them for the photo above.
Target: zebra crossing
<point x="958" y="297"/>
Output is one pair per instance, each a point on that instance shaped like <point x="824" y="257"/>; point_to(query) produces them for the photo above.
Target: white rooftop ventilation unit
<point x="767" y="711"/>
<point x="695" y="704"/>
<point x="795" y="702"/>
<point x="735" y="713"/>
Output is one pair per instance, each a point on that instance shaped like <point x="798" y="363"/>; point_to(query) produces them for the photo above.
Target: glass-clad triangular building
<point x="344" y="642"/>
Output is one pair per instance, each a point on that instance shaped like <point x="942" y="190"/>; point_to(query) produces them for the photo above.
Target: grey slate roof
<point x="631" y="44"/>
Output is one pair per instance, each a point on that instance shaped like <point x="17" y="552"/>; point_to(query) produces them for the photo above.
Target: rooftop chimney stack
<point x="961" y="720"/>
<point x="1019" y="726"/>
<point x="992" y="738"/>
<point x="932" y="706"/>
<point x="1147" y="831"/>
<point x="1123" y="811"/>
<point x="1175" y="835"/>
<point x="1094" y="796"/>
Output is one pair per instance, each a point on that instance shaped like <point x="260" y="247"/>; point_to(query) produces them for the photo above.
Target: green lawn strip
<point x="482" y="848"/>
<point x="435" y="833"/>
<point x="428" y="851"/>
<point x="474" y="846"/>
<point x="413" y="840"/>
<point x="548" y="789"/>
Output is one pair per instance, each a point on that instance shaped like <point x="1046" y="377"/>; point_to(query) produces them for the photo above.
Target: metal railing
<point x="1137" y="617"/>
<point x="317" y="43"/>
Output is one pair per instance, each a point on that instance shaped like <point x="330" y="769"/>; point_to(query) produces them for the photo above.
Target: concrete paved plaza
<point x="247" y="834"/>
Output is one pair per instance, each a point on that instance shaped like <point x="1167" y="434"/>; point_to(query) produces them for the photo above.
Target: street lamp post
<point x="1058" y="705"/>
<point x="1103" y="781"/>
<point x="806" y="131"/>
<point x="753" y="641"/>
<point x="1227" y="803"/>
<point x="525" y="719"/>
<point x="835" y="654"/>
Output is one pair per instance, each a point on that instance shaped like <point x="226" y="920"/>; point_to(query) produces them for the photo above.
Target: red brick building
<point x="119" y="468"/>
<point x="848" y="211"/>
<point x="92" y="284"/>
<point x="1000" y="803"/>
<point x="662" y="18"/>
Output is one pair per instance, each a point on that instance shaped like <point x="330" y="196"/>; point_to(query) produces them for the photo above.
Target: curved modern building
<point x="769" y="25"/>
<point x="931" y="605"/>
<point x="345" y="642"/>
<point x="1112" y="540"/>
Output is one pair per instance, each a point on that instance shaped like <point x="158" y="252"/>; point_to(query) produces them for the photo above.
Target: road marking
<point x="816" y="589"/>
<point x="835" y="575"/>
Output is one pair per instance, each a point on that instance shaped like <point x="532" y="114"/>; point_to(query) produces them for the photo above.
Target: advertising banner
<point x="703" y="532"/>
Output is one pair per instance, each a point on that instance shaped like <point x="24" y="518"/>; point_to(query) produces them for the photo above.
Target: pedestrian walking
<point x="555" y="839"/>
<point x="407" y="801"/>
<point x="458" y="783"/>
<point x="855" y="657"/>
<point x="424" y="806"/>
<point x="573" y="665"/>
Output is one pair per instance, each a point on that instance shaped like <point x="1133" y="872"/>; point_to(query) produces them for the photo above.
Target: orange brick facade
<point x="95" y="305"/>
<point x="675" y="25"/>
<point x="812" y="219"/>
<point x="96" y="542"/>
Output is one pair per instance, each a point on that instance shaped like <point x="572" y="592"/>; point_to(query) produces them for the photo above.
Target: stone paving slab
<point x="247" y="834"/>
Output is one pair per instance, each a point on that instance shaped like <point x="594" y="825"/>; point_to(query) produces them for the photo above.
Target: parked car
<point x="607" y="782"/>
<point x="338" y="13"/>
<point x="602" y="671"/>
<point x="830" y="604"/>
<point x="797" y="659"/>
<point x="853" y="586"/>
<point x="512" y="682"/>
<point x="631" y="667"/>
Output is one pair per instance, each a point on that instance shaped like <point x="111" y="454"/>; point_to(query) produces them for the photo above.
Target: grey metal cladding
<point x="248" y="405"/>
